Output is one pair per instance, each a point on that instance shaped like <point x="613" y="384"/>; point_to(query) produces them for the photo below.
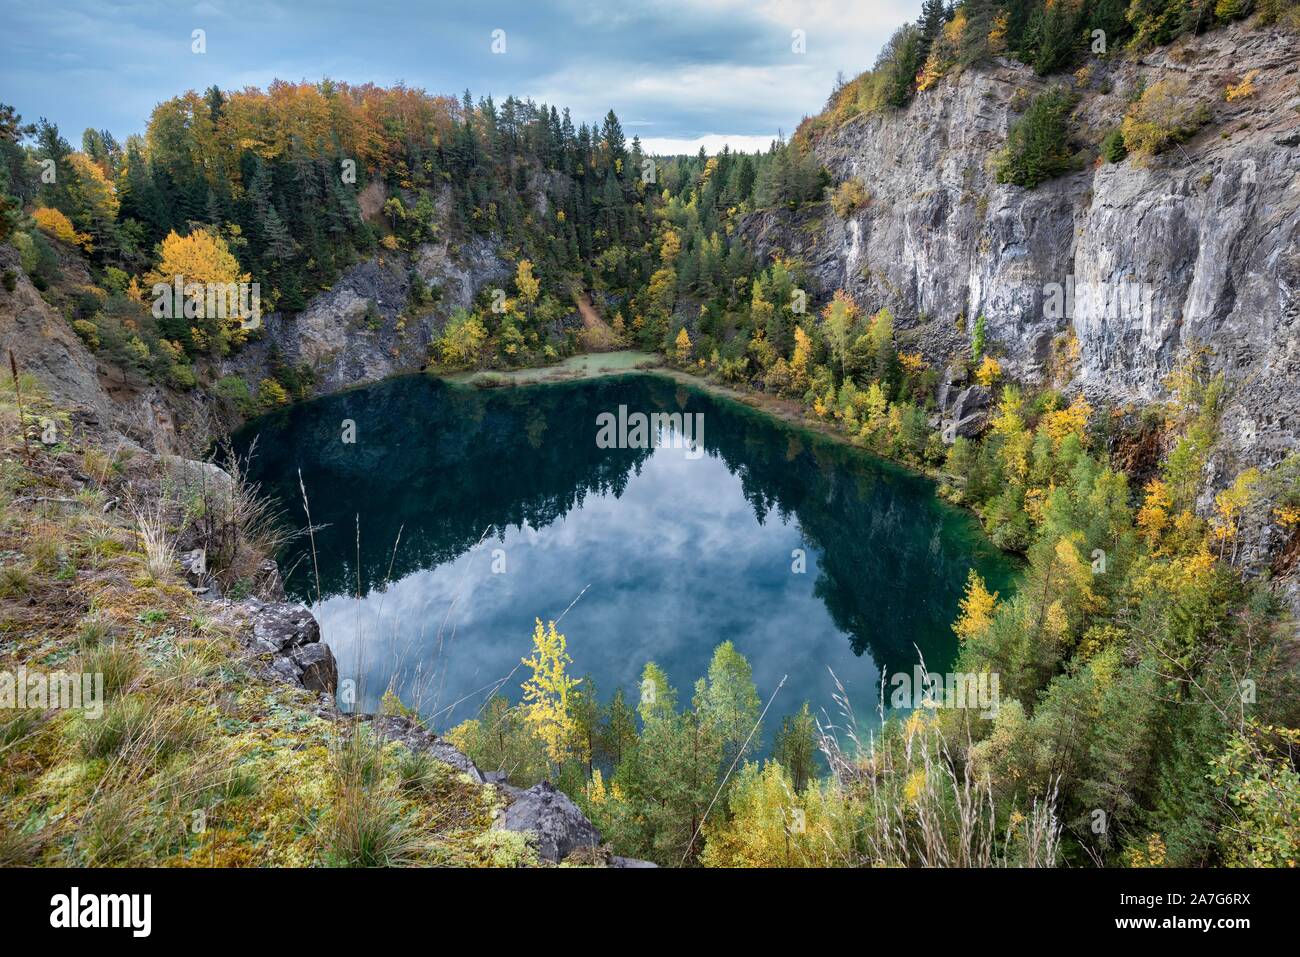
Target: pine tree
<point x="906" y="62"/>
<point x="975" y="38"/>
<point x="930" y="22"/>
<point x="10" y="206"/>
<point x="618" y="728"/>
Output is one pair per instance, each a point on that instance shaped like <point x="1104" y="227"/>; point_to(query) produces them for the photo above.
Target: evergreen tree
<point x="795" y="748"/>
<point x="730" y="702"/>
<point x="930" y="23"/>
<point x="980" y="15"/>
<point x="904" y="63"/>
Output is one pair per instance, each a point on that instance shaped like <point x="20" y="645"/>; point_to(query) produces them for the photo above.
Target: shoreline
<point x="595" y="365"/>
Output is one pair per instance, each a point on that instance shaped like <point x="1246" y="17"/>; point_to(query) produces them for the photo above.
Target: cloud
<point x="712" y="143"/>
<point x="688" y="70"/>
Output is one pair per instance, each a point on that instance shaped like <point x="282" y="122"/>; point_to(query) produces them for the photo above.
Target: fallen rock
<point x="973" y="399"/>
<point x="290" y="635"/>
<point x="954" y="379"/>
<point x="967" y="428"/>
<point x="199" y="477"/>
<point x="550" y="816"/>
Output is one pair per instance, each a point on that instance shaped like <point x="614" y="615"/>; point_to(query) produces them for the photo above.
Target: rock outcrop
<point x="1198" y="247"/>
<point x="554" y="824"/>
<point x="417" y="739"/>
<point x="357" y="331"/>
<point x="547" y="813"/>
<point x="969" y="413"/>
<point x="290" y="636"/>
<point x="45" y="346"/>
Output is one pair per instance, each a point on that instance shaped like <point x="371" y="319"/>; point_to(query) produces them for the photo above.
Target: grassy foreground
<point x="196" y="759"/>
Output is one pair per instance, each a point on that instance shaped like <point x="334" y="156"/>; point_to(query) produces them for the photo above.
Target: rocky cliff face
<point x="99" y="396"/>
<point x="1199" y="246"/>
<point x="355" y="333"/>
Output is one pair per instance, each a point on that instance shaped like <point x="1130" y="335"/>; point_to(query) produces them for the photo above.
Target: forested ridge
<point x="1148" y="712"/>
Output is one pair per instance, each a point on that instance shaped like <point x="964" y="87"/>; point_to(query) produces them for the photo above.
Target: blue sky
<point x="675" y="71"/>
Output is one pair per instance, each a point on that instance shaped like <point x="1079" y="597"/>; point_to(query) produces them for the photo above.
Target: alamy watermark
<point x="1124" y="300"/>
<point x="133" y="912"/>
<point x="62" y="690"/>
<point x="638" y="430"/>
<point x="975" y="690"/>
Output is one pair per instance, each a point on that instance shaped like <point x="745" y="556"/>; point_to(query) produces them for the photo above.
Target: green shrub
<point x="271" y="394"/>
<point x="116" y="281"/>
<point x="235" y="391"/>
<point x="1113" y="149"/>
<point x="181" y="376"/>
<point x="88" y="331"/>
<point x="1038" y="144"/>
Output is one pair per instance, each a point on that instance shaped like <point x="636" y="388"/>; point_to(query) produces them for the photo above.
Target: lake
<point x="457" y="516"/>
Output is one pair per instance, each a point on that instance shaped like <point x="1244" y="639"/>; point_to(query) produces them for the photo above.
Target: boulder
<point x="966" y="428"/>
<point x="281" y="626"/>
<point x="551" y="817"/>
<point x="319" y="671"/>
<point x="954" y="378"/>
<point x="970" y="414"/>
<point x="195" y="477"/>
<point x="973" y="399"/>
<point x="290" y="635"/>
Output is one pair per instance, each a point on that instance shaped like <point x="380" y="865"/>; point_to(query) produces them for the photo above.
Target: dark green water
<point x="676" y="553"/>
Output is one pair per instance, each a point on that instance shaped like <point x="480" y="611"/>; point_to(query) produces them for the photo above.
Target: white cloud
<point x="712" y="143"/>
<point x="748" y="77"/>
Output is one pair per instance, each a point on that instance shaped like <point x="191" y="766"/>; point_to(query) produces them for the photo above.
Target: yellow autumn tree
<point x="1153" y="516"/>
<point x="977" y="607"/>
<point x="875" y="413"/>
<point x="989" y="372"/>
<point x="1230" y="506"/>
<point x="1072" y="420"/>
<point x="461" y="344"/>
<point x="202" y="257"/>
<point x="98" y="203"/>
<point x="527" y="285"/>
<point x="800" y="359"/>
<point x="52" y="221"/>
<point x="662" y="291"/>
<point x="546" y="705"/>
<point x="772" y="825"/>
<point x="670" y="247"/>
<point x="1009" y="426"/>
<point x="683" y="346"/>
<point x="912" y="362"/>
